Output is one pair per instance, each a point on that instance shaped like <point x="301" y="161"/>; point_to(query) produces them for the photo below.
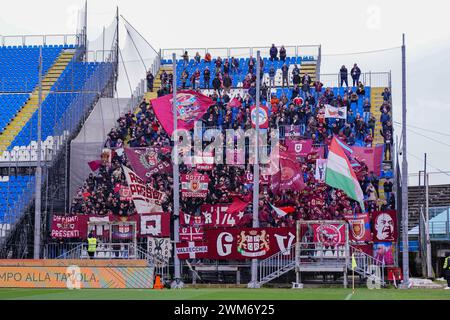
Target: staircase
<point x="309" y="67"/>
<point x="284" y="261"/>
<point x="27" y="111"/>
<point x="276" y="265"/>
<point x="364" y="266"/>
<point x="376" y="100"/>
<point x="157" y="82"/>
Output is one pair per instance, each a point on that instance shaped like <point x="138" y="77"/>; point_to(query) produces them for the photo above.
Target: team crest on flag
<point x="149" y="158"/>
<point x="253" y="244"/>
<point x="188" y="107"/>
<point x="263" y="117"/>
<point x="194" y="185"/>
<point x="329" y="234"/>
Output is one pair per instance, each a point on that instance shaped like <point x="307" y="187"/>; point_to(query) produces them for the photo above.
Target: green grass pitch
<point x="226" y="294"/>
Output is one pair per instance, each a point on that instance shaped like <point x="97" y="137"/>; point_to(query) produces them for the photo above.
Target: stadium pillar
<point x="405" y="253"/>
<point x="254" y="280"/>
<point x="427" y="219"/>
<point x="37" y="203"/>
<point x="177" y="283"/>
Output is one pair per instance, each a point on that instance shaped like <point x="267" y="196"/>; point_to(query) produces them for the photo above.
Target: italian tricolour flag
<point x="339" y="173"/>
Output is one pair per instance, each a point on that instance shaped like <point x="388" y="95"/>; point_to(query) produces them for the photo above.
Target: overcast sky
<point x="339" y="26"/>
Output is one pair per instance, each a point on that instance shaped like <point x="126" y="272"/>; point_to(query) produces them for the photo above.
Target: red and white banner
<point x="191" y="250"/>
<point x="187" y="219"/>
<point x="301" y="148"/>
<point x="329" y="234"/>
<point x="191" y="233"/>
<point x="69" y="226"/>
<point x="359" y="227"/>
<point x="335" y="112"/>
<point x="217" y="215"/>
<point x="145" y="162"/>
<point x="145" y="198"/>
<point x="249" y="243"/>
<point x="190" y="105"/>
<point x="154" y="224"/>
<point x="194" y="185"/>
<point x="384" y="226"/>
<point x="263" y="117"/>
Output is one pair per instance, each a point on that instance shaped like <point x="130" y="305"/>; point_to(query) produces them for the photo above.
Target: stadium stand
<point x="10" y="104"/>
<point x="12" y="189"/>
<point x="71" y="84"/>
<point x="90" y="200"/>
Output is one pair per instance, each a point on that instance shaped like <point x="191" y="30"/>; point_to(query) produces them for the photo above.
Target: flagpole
<point x="176" y="181"/>
<point x="254" y="280"/>
<point x="353" y="281"/>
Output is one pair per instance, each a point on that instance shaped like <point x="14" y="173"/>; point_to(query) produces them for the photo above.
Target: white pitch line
<point x="349" y="296"/>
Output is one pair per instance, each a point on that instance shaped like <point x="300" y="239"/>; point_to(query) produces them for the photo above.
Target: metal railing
<point x="367" y="266"/>
<point x="276" y="265"/>
<point x="238" y="52"/>
<point x="37" y="40"/>
<point x="318" y="254"/>
<point x="370" y="79"/>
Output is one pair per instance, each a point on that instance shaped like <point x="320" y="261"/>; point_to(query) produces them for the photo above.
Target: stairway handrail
<point x="276" y="262"/>
<point x="367" y="261"/>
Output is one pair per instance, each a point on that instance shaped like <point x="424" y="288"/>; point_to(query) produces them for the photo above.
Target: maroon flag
<point x="235" y="103"/>
<point x="194" y="185"/>
<point x="237" y="205"/>
<point x="384" y="225"/>
<point x="248" y="243"/>
<point x="191" y="233"/>
<point x="95" y="165"/>
<point x="291" y="176"/>
<point x="154" y="224"/>
<point x="187" y="219"/>
<point x="372" y="157"/>
<point x="69" y="226"/>
<point x="301" y="148"/>
<point x="191" y="250"/>
<point x="359" y="227"/>
<point x="145" y="162"/>
<point x="190" y="106"/>
<point x="329" y="234"/>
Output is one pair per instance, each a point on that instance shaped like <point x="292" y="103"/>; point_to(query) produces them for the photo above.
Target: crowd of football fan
<point x="99" y="194"/>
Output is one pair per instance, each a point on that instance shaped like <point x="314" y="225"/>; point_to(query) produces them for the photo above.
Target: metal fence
<point x="370" y="79"/>
<point x="239" y="52"/>
<point x="38" y="40"/>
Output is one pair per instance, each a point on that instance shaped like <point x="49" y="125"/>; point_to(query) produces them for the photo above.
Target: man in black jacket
<point x="344" y="76"/>
<point x="356" y="73"/>
<point x="273" y="53"/>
